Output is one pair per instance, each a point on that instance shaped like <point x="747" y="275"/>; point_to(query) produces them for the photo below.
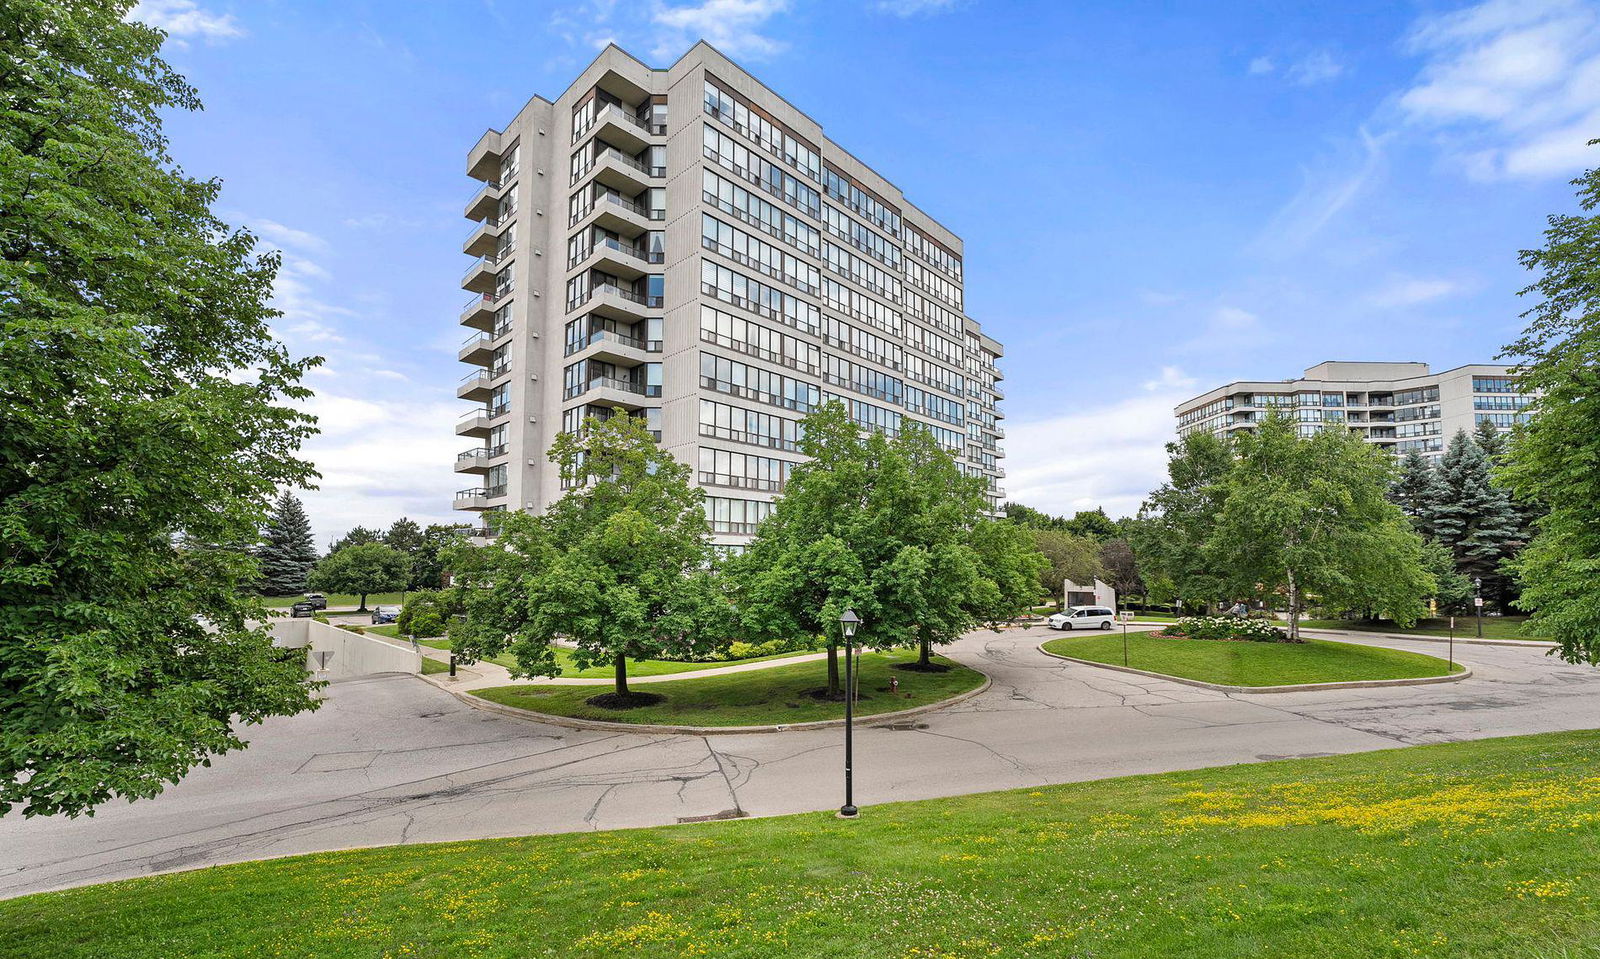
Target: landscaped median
<point x="636" y="667"/>
<point x="1483" y="849"/>
<point x="1256" y="665"/>
<point x="775" y="696"/>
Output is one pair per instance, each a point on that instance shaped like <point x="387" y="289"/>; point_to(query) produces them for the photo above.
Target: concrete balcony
<point x="620" y="215"/>
<point x="479" y="498"/>
<point x="475" y="460"/>
<point x="486" y="202"/>
<point x="484" y="273"/>
<point x="476" y="349"/>
<point x="483" y="160"/>
<point x="617" y="303"/>
<point x="620" y="172"/>
<point x="619" y="259"/>
<point x="608" y="391"/>
<point x="475" y="423"/>
<point x="484" y="237"/>
<point x="475" y="386"/>
<point x="613" y="347"/>
<point x="479" y="311"/>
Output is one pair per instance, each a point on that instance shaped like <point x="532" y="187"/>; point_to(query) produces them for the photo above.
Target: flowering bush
<point x="1228" y="627"/>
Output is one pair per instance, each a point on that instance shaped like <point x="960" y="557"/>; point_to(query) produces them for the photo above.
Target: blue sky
<point x="1155" y="197"/>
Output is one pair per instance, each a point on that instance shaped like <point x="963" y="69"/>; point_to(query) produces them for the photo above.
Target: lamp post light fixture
<point x="847" y="625"/>
<point x="1477" y="600"/>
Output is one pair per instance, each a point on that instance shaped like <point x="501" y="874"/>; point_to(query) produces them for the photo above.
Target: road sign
<point x="1126" y="616"/>
<point x="322" y="656"/>
<point x="1477" y="601"/>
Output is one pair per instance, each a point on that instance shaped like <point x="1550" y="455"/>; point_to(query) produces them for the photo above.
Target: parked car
<point x="317" y="600"/>
<point x="384" y="614"/>
<point x="1083" y="617"/>
<point x="302" y="611"/>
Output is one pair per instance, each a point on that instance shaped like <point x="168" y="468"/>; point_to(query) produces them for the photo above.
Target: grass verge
<point x="1483" y="849"/>
<point x="760" y="697"/>
<point x="1494" y="627"/>
<point x="337" y="599"/>
<point x="433" y="666"/>
<point x="644" y="667"/>
<point x="1252" y="664"/>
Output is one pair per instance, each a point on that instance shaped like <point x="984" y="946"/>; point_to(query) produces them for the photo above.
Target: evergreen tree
<point x="1418" y="492"/>
<point x="358" y="536"/>
<point x="1490" y="440"/>
<point x="404" y="535"/>
<point x="288" y="551"/>
<point x="1475" y="519"/>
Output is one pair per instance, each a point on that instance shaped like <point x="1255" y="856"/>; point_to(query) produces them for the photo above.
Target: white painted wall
<point x="354" y="655"/>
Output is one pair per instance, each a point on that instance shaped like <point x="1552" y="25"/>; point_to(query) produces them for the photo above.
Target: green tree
<point x="1093" y="523"/>
<point x="428" y="612"/>
<point x="890" y="528"/>
<point x="1030" y="518"/>
<point x="1491" y="440"/>
<point x="1312" y="516"/>
<point x="1067" y="556"/>
<point x="358" y="536"/>
<point x="1120" y="567"/>
<point x="146" y="425"/>
<point x="362" y="570"/>
<point x="1554" y="460"/>
<point x="404" y="535"/>
<point x="1474" y="518"/>
<point x="288" y="550"/>
<point x="1418" y="492"/>
<point x="427" y="563"/>
<point x="1452" y="592"/>
<point x="1178" y="519"/>
<point x="494" y="584"/>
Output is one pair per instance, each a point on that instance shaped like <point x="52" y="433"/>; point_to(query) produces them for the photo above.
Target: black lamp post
<point x="1477" y="600"/>
<point x="847" y="625"/>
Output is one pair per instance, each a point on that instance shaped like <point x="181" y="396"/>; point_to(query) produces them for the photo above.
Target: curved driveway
<point x="395" y="760"/>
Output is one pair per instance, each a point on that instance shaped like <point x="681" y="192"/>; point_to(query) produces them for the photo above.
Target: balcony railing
<point x="625" y="249"/>
<point x="619" y="201"/>
<point x="621" y="339"/>
<point x="611" y="383"/>
<point x="754" y="439"/>
<point x="758" y="483"/>
<point x="490" y="223"/>
<point x="613" y="290"/>
<point x="654" y="129"/>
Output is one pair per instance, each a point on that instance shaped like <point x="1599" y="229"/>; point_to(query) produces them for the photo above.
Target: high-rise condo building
<point x="685" y="245"/>
<point x="1399" y="406"/>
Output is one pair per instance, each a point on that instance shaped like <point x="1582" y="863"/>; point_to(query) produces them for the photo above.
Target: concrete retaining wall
<point x="353" y="654"/>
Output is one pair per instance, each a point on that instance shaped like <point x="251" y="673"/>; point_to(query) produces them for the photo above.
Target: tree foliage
<point x="1312" y="516"/>
<point x="1068" y="556"/>
<point x="288" y="551"/>
<point x="144" y="427"/>
<point x="1473" y="518"/>
<point x="362" y="570"/>
<point x="357" y="536"/>
<point x="888" y="527"/>
<point x="1554" y="460"/>
<point x="1178" y="519"/>
<point x="1120" y="567"/>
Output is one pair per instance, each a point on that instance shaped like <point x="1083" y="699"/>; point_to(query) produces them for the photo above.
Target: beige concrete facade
<point x="687" y="245"/>
<point x="1399" y="406"/>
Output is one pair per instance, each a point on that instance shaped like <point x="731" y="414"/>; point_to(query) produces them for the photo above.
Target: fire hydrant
<point x="894" y="685"/>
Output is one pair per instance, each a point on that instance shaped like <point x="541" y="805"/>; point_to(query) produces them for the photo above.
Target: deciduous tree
<point x="1177" y="520"/>
<point x="146" y="425"/>
<point x="1554" y="460"/>
<point x="363" y="570"/>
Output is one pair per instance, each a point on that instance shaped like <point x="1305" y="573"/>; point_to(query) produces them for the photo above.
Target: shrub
<point x="1228" y="628"/>
<point x="427" y="612"/>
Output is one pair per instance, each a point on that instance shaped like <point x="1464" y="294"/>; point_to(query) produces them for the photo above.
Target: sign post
<point x="322" y="656"/>
<point x="1451" y="664"/>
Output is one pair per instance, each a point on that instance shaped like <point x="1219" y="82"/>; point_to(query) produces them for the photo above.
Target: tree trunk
<point x="1294" y="607"/>
<point x="925" y="653"/>
<point x="361" y="607"/>
<point x="833" y="669"/>
<point x="622" y="674"/>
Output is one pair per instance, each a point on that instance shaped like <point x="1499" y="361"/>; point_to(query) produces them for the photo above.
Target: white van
<point x="1083" y="617"/>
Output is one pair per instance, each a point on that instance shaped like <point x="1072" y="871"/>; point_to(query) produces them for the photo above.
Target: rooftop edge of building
<point x="1306" y="377"/>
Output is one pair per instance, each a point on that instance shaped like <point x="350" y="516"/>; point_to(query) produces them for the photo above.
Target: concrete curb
<point x="1466" y="672"/>
<point x="528" y="715"/>
<point x="1468" y="641"/>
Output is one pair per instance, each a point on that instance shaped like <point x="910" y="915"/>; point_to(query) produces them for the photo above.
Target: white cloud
<point x="912" y="8"/>
<point x="286" y="236"/>
<point x="1327" y="189"/>
<point x="1117" y="452"/>
<point x="1404" y="291"/>
<point x="732" y="26"/>
<point x="185" y="18"/>
<point x="380" y="460"/>
<point x="1319" y="67"/>
<point x="1511" y="86"/>
<point x="1261" y="66"/>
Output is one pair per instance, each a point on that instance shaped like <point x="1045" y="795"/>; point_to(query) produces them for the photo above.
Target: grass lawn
<point x="1483" y="849"/>
<point x="757" y="698"/>
<point x="648" y="667"/>
<point x="390" y="630"/>
<point x="431" y="666"/>
<point x="1494" y="627"/>
<point x="1252" y="664"/>
<point x="337" y="599"/>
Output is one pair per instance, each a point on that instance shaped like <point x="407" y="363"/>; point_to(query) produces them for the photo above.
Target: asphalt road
<point x="395" y="760"/>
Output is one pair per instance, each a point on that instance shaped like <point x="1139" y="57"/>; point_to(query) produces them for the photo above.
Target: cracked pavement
<point x="391" y="759"/>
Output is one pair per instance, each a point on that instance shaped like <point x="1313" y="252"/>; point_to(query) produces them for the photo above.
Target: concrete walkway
<point x="396" y="760"/>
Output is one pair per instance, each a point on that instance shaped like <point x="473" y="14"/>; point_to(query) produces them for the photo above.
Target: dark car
<point x="384" y="614"/>
<point x="302" y="610"/>
<point x="317" y="600"/>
